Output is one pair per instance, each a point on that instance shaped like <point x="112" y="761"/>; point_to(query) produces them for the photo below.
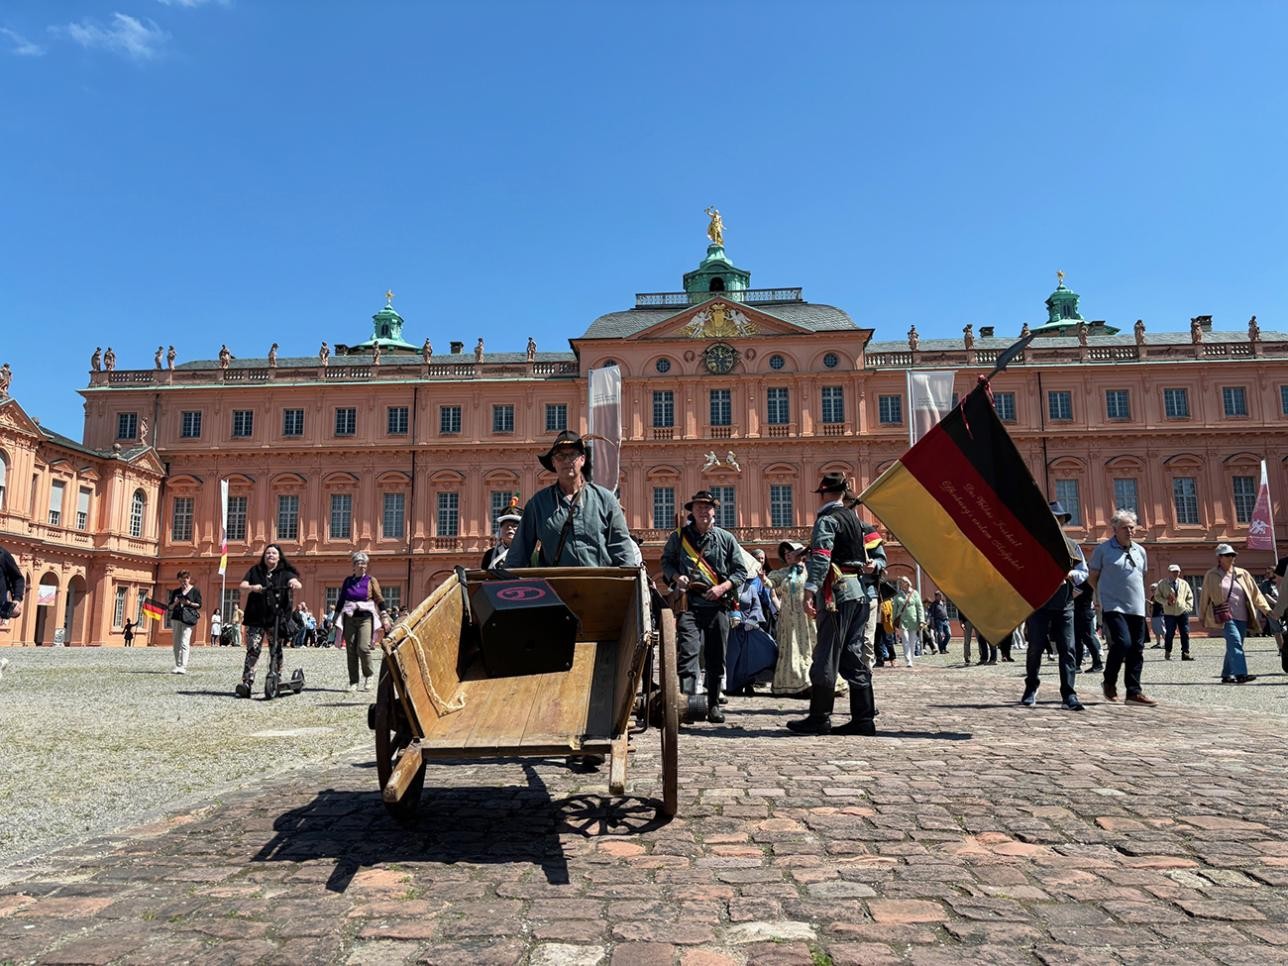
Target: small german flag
<point x="153" y="608"/>
<point x="964" y="505"/>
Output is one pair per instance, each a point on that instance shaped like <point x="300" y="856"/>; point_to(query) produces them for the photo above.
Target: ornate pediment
<point x="13" y="417"/>
<point x="718" y="319"/>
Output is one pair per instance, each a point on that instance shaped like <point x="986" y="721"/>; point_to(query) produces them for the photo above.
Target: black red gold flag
<point x="964" y="505"/>
<point x="153" y="609"/>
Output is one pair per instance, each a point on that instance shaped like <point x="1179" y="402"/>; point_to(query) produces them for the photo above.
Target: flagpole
<point x="912" y="415"/>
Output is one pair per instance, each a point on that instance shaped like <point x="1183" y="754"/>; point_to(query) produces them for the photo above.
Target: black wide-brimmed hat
<point x="566" y="438"/>
<point x="1059" y="512"/>
<point x="831" y="483"/>
<point x="789" y="546"/>
<point x="702" y="496"/>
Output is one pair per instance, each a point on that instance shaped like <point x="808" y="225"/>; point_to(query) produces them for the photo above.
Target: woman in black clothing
<point x="268" y="609"/>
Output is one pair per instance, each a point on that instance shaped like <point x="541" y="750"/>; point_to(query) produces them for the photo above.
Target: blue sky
<point x="252" y="171"/>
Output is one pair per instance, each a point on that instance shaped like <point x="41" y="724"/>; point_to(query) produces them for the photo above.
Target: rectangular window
<point x="777" y="406"/>
<point x="721" y="407"/>
<point x="781" y="511"/>
<point x="556" y="417"/>
<point x="1283" y="400"/>
<point x="890" y="410"/>
<point x="181" y="519"/>
<point x="393" y="516"/>
<point x="346" y="421"/>
<point x="118" y="608"/>
<point x="833" y="404"/>
<point x="341" y="516"/>
<point x="1127" y="496"/>
<point x="727" y="512"/>
<point x="449" y="514"/>
<point x="237" y="517"/>
<point x="1245" y="498"/>
<point x="498" y="500"/>
<point x="332" y="597"/>
<point x="663" y="507"/>
<point x="393" y="596"/>
<point x="1176" y="403"/>
<point x="1066" y="491"/>
<point x="1117" y="404"/>
<point x="82" y="509"/>
<point x="138" y="506"/>
<point x="1060" y="405"/>
<point x="449" y="420"/>
<point x="288" y="516"/>
<point x="503" y="418"/>
<point x="292" y="422"/>
<point x="663" y="409"/>
<point x="1234" y="399"/>
<point x="1185" y="493"/>
<point x="231" y="601"/>
<point x="397" y="420"/>
<point x="190" y="424"/>
<point x="127" y="425"/>
<point x="243" y="423"/>
<point x="1004" y="403"/>
<point x="56" y="503"/>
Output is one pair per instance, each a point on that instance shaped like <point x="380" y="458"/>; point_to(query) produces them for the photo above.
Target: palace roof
<point x="808" y="315"/>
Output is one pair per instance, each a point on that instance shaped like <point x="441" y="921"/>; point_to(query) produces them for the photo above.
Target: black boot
<point x="863" y="708"/>
<point x="819" y="721"/>
<point x="715" y="713"/>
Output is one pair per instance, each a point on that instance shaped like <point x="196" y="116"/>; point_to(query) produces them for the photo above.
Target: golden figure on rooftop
<point x="389" y="296"/>
<point x="715" y="230"/>
<point x="1059" y="278"/>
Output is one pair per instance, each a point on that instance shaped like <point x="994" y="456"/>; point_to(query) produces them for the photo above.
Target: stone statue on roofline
<point x="914" y="339"/>
<point x="144" y="428"/>
<point x="1254" y="330"/>
<point x="6" y="379"/>
<point x="532" y="349"/>
<point x="1139" y="329"/>
<point x="1196" y="330"/>
<point x="170" y="356"/>
<point x="478" y="350"/>
<point x="324" y="354"/>
<point x="968" y="335"/>
<point x="1025" y="331"/>
<point x="272" y="356"/>
<point x="426" y="352"/>
<point x="109" y="359"/>
<point x="96" y="360"/>
<point x="1082" y="332"/>
<point x="225" y="357"/>
<point x="157" y="358"/>
<point x="375" y="353"/>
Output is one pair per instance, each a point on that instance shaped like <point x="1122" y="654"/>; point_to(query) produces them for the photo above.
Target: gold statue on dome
<point x="715" y="230"/>
<point x="389" y="296"/>
<point x="1059" y="278"/>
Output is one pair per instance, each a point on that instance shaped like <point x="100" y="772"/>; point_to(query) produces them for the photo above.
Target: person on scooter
<point x="268" y="608"/>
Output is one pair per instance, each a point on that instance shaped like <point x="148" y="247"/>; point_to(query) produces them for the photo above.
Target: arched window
<point x="717" y="285"/>
<point x="138" y="507"/>
<point x="4" y="475"/>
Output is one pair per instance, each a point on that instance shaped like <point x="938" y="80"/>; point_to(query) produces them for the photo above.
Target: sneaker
<point x="242" y="690"/>
<point x="1141" y="699"/>
<point x="1030" y="699"/>
<point x="4" y="663"/>
<point x="1094" y="668"/>
<point x="1245" y="678"/>
<point x="177" y="670"/>
<point x="352" y="688"/>
<point x="366" y="683"/>
<point x="1228" y="679"/>
<point x="1071" y="703"/>
<point x="1186" y="657"/>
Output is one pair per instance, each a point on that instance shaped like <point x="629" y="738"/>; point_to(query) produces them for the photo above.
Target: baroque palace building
<point x="751" y="393"/>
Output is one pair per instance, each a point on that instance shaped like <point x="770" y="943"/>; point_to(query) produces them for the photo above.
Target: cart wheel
<point x="670" y="716"/>
<point x="393" y="734"/>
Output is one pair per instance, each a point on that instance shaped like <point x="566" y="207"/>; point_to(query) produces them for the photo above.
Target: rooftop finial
<point x="389" y="296"/>
<point x="715" y="230"/>
<point x="1059" y="278"/>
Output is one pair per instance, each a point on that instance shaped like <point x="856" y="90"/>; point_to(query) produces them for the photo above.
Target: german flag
<point x="153" y="608"/>
<point x="964" y="505"/>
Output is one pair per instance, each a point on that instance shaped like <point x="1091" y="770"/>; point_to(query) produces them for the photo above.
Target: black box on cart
<point x="524" y="628"/>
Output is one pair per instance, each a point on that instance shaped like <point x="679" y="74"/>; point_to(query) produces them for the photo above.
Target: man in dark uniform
<point x="507" y="524"/>
<point x="840" y="588"/>
<point x="1053" y="623"/>
<point x="705" y="562"/>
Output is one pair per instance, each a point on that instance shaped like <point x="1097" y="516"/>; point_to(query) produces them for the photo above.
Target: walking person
<point x="939" y="622"/>
<point x="840" y="593"/>
<point x="968" y="629"/>
<point x="357" y="609"/>
<point x="185" y="610"/>
<point x="1232" y="603"/>
<point x="236" y="639"/>
<point x="1177" y="600"/>
<point x="271" y="583"/>
<point x="1118" y="578"/>
<point x="1156" y="622"/>
<point x="1052" y="623"/>
<point x="908" y="618"/>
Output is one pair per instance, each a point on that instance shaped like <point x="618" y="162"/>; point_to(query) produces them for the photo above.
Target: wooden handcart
<point x="435" y="699"/>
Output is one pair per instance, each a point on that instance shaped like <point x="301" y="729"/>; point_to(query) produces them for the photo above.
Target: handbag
<point x="1221" y="612"/>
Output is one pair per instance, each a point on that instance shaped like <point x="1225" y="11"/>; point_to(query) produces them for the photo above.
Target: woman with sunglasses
<point x="1232" y="604"/>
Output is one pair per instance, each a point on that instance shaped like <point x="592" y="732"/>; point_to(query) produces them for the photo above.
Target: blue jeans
<point x="943" y="634"/>
<point x="1236" y="665"/>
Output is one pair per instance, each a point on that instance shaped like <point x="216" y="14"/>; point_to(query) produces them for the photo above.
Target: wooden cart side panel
<point x="429" y="639"/>
<point x="598" y="603"/>
<point x="633" y="639"/>
<point x="601" y="715"/>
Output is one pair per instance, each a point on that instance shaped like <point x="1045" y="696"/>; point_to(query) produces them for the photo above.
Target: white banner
<point x="604" y="422"/>
<point x="930" y="397"/>
<point x="223" y="527"/>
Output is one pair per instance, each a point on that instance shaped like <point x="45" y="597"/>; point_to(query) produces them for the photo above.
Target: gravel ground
<point x="97" y="739"/>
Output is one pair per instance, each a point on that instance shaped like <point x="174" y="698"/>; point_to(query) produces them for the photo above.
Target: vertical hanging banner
<point x="930" y="397"/>
<point x="1261" y="531"/>
<point x="223" y="527"/>
<point x="605" y="425"/>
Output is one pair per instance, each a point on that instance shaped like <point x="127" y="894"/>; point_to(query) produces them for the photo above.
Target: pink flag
<point x="1261" y="531"/>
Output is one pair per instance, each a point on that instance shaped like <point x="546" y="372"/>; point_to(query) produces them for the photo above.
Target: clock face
<point x="720" y="358"/>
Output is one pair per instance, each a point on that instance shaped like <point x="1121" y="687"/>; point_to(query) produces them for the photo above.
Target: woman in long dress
<point x="795" y="633"/>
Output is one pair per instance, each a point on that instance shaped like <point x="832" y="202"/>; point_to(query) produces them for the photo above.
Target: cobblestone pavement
<point x="969" y="831"/>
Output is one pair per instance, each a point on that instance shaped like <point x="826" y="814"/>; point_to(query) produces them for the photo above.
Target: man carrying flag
<point x="841" y="575"/>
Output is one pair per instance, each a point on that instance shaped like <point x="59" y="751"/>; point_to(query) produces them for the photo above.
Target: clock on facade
<point x="719" y="358"/>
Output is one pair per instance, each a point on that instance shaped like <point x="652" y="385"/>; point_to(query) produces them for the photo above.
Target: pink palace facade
<point x="753" y="393"/>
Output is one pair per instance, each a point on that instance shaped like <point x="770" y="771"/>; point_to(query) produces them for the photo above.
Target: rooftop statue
<point x="968" y="335"/>
<point x="375" y="353"/>
<point x="532" y="349"/>
<point x="1196" y="331"/>
<point x="426" y="352"/>
<point x="1082" y="332"/>
<point x="715" y="230"/>
<point x="157" y="358"/>
<point x="324" y="354"/>
<point x="6" y="378"/>
<point x="109" y="359"/>
<point x="225" y="357"/>
<point x="96" y="360"/>
<point x="272" y="356"/>
<point x="170" y="356"/>
<point x="1254" y="330"/>
<point x="1139" y="329"/>
<point x="914" y="339"/>
<point x="478" y="350"/>
<point x="1025" y="331"/>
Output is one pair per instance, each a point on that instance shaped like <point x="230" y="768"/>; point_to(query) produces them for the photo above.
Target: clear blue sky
<point x="253" y="171"/>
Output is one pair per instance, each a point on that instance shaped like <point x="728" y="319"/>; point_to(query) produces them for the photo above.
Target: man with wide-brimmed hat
<point x="507" y="524"/>
<point x="1053" y="622"/>
<point x="705" y="562"/>
<point x="576" y="523"/>
<point x="841" y="579"/>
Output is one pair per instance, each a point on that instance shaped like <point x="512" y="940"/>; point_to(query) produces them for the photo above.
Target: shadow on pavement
<point x="478" y="824"/>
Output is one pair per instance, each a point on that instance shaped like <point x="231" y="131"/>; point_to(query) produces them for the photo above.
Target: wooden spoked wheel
<point x="393" y="735"/>
<point x="670" y="715"/>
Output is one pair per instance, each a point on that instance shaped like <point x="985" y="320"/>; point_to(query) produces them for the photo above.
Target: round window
<point x="830" y="360"/>
<point x="663" y="365"/>
<point x="776" y="361"/>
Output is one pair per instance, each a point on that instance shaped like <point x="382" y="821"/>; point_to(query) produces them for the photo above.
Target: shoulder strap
<point x="567" y="528"/>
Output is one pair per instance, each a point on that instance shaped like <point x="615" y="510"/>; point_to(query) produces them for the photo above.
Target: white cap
<point x="1175" y="567"/>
